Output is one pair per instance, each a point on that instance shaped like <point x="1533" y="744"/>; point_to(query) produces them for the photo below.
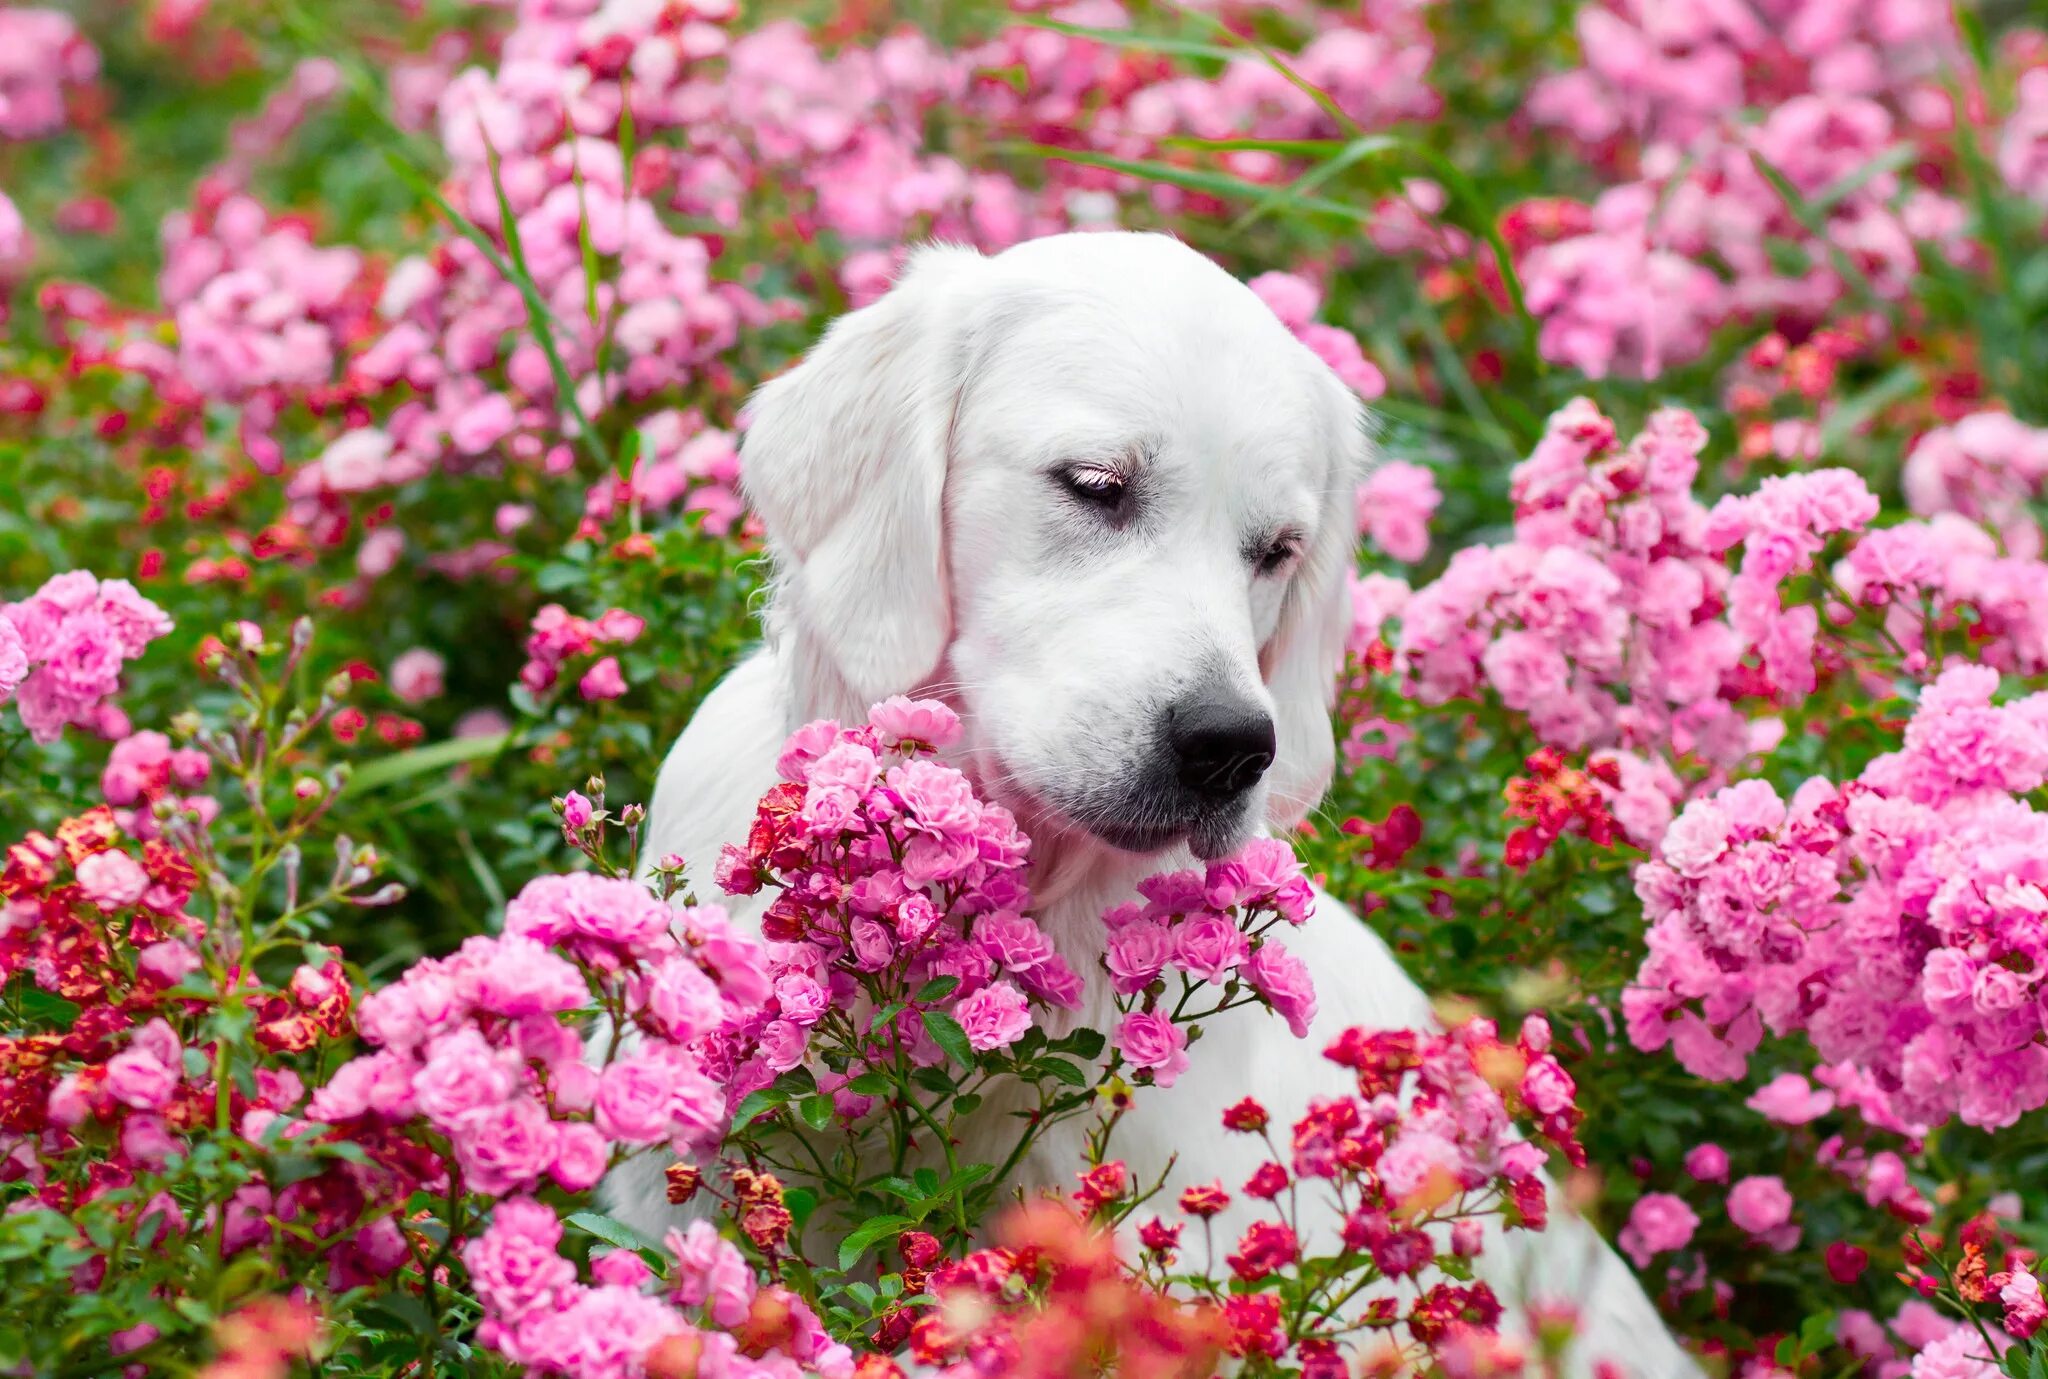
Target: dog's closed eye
<point x="1100" y="487"/>
<point x="1276" y="553"/>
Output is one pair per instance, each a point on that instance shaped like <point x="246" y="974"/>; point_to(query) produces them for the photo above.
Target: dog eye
<point x="1095" y="485"/>
<point x="1278" y="554"/>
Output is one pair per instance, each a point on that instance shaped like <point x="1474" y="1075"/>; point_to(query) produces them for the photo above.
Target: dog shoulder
<point x="718" y="769"/>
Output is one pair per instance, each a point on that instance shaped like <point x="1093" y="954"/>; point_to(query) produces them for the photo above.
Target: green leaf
<point x="438" y="756"/>
<point x="755" y="1105"/>
<point x="1124" y="38"/>
<point x="967" y="1105"/>
<point x="613" y="1232"/>
<point x="947" y="1034"/>
<point x="405" y="1309"/>
<point x="871" y="1084"/>
<point x="46" y="1009"/>
<point x="1084" y="1043"/>
<point x="867" y="1233"/>
<point x="1851" y="414"/>
<point x="1220" y="184"/>
<point x="937" y="989"/>
<point x="816" y="1111"/>
<point x="1062" y="1071"/>
<point x="1352" y="153"/>
<point x="801" y="1202"/>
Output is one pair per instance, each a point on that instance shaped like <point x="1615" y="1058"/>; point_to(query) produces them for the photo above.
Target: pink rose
<point x="994" y="1017"/>
<point x="580" y="1157"/>
<point x="418" y="675"/>
<point x="1210" y="947"/>
<point x="463" y="1075"/>
<point x="711" y="1273"/>
<point x="1136" y="955"/>
<point x="1659" y="1222"/>
<point x="1154" y="1042"/>
<point x="1283" y="980"/>
<point x="915" y="720"/>
<point x="1707" y="1163"/>
<point x="514" y="1264"/>
<point x="112" y="879"/>
<point x="510" y="1146"/>
<point x="633" y="1099"/>
<point x="1759" y="1204"/>
<point x="603" y="681"/>
<point x="1790" y="1099"/>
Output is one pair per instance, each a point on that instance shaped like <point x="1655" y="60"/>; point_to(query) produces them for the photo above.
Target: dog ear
<point x="1302" y="661"/>
<point x="845" y="461"/>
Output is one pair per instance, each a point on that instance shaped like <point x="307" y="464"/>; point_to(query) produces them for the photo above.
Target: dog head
<point x="1092" y="492"/>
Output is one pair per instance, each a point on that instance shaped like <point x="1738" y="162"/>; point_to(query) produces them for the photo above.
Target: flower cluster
<point x="1895" y="921"/>
<point x="136" y="1081"/>
<point x="559" y="636"/>
<point x="708" y="1318"/>
<point x="890" y="874"/>
<point x="1987" y="467"/>
<point x="1611" y="620"/>
<point x="62" y="648"/>
<point x="472" y="1045"/>
<point x="1050" y="1298"/>
<point x="1209" y="927"/>
<point x="1661" y="259"/>
<point x="44" y="61"/>
<point x="1423" y="1159"/>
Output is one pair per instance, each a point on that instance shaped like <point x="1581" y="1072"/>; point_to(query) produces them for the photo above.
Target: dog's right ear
<point x="845" y="461"/>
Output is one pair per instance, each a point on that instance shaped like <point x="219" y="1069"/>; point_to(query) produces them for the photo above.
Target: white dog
<point x="1092" y="493"/>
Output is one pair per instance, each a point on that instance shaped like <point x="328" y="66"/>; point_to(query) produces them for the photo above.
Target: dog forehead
<point x="1072" y="358"/>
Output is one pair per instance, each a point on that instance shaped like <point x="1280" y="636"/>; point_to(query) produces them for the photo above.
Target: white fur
<point x="902" y="472"/>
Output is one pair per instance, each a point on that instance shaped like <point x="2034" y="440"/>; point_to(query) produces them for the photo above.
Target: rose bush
<point x="1692" y="726"/>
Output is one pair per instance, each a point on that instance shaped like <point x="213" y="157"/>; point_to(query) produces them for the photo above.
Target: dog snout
<point x="1223" y="745"/>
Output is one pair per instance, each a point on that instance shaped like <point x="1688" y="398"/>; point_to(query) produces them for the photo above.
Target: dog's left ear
<point x="1302" y="661"/>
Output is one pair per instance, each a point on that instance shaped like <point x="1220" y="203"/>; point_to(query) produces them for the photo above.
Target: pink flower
<point x="506" y="1147"/>
<point x="1658" y="1222"/>
<point x="1759" y="1204"/>
<point x="915" y="720"/>
<point x="515" y="976"/>
<point x="711" y="1273"/>
<point x="514" y="1265"/>
<point x="633" y="1099"/>
<point x="1394" y="508"/>
<point x="994" y="1017"/>
<point x="1283" y="981"/>
<point x="581" y="1157"/>
<point x="687" y="1002"/>
<point x="417" y="675"/>
<point x="146" y="1073"/>
<point x="1790" y="1099"/>
<point x="462" y="1076"/>
<point x="13" y="659"/>
<point x="112" y="879"/>
<point x="1210" y="947"/>
<point x="2025" y="1309"/>
<point x="1294" y="299"/>
<point x="604" y="680"/>
<point x="1707" y="1163"/>
<point x="1136" y="955"/>
<point x="1153" y="1042"/>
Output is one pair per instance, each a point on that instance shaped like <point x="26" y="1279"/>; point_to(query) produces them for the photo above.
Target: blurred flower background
<point x="1701" y="612"/>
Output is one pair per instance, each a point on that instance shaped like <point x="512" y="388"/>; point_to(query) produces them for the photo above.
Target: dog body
<point x="1093" y="494"/>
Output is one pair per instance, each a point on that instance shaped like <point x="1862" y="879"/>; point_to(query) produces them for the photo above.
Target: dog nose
<point x="1223" y="746"/>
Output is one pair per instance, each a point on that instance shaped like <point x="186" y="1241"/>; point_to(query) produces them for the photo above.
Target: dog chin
<point x="1207" y="838"/>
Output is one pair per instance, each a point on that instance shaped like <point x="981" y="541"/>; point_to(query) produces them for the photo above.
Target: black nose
<point x="1223" y="745"/>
